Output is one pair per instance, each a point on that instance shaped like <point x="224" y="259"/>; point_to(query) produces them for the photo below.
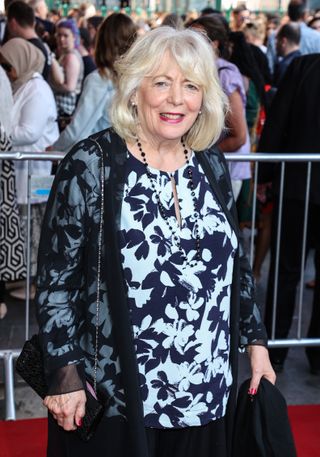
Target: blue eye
<point x="191" y="86"/>
<point x="161" y="83"/>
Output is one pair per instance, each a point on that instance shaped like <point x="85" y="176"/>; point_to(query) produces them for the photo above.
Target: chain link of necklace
<point x="162" y="210"/>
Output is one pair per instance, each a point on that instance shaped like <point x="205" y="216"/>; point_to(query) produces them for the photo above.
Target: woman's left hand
<point x="260" y="367"/>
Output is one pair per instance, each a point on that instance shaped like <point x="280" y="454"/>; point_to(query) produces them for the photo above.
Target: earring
<point x="200" y="112"/>
<point x="133" y="104"/>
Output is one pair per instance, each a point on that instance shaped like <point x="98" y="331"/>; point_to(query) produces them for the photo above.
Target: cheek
<point x="149" y="100"/>
<point x="195" y="104"/>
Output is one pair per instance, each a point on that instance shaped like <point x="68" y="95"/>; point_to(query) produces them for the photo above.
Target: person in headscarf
<point x="34" y="125"/>
<point x="20" y="61"/>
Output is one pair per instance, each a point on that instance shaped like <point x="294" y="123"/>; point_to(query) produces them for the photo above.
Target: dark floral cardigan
<point x="67" y="281"/>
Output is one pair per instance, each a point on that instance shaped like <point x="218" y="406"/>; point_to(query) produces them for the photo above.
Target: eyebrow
<point x="158" y="76"/>
<point x="170" y="78"/>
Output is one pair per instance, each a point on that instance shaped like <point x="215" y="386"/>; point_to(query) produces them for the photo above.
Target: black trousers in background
<point x="110" y="440"/>
<point x="289" y="274"/>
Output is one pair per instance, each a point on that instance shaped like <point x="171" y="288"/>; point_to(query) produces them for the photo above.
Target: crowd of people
<point x="65" y="79"/>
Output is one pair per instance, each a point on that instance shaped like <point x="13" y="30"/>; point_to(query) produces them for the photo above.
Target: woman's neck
<point x="163" y="155"/>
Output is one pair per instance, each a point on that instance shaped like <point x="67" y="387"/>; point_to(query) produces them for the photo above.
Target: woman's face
<point x="167" y="102"/>
<point x="65" y="39"/>
<point x="92" y="31"/>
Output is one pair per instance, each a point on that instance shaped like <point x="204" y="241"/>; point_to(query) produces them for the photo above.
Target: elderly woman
<point x="143" y="286"/>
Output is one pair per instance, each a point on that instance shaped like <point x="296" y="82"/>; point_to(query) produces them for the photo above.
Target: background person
<point x="88" y="62"/>
<point x="255" y="33"/>
<point x="173" y="20"/>
<point x="42" y="22"/>
<point x="115" y="36"/>
<point x="67" y="84"/>
<point x="288" y="48"/>
<point x="292" y="126"/>
<point x="93" y="24"/>
<point x="168" y="330"/>
<point x="21" y="24"/>
<point x="34" y="123"/>
<point x="242" y="56"/>
<point x="236" y="137"/>
<point x="240" y="16"/>
<point x="12" y="259"/>
<point x="309" y="41"/>
<point x="315" y="23"/>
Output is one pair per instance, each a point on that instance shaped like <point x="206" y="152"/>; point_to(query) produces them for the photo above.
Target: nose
<point x="176" y="94"/>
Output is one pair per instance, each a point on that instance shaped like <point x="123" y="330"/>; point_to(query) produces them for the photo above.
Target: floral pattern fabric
<point x="180" y="313"/>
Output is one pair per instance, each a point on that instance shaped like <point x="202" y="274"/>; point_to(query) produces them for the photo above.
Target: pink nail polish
<point x="79" y="424"/>
<point x="252" y="391"/>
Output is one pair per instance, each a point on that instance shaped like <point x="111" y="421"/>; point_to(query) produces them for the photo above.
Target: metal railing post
<point x="254" y="211"/>
<point x="9" y="386"/>
<point x="276" y="268"/>
<point x="304" y="243"/>
<point x="28" y="244"/>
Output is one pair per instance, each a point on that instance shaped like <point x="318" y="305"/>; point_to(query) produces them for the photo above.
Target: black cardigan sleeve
<point x="70" y="214"/>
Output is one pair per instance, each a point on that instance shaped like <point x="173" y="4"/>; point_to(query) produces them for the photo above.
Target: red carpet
<point x="23" y="438"/>
<point x="305" y="424"/>
<point x="27" y="438"/>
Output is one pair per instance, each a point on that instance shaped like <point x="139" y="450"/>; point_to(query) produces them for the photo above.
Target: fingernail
<point x="79" y="424"/>
<point x="252" y="391"/>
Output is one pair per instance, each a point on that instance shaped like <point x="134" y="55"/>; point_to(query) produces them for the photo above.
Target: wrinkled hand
<point x="67" y="409"/>
<point x="260" y="367"/>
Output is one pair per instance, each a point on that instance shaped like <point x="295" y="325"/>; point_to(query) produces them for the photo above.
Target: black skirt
<point x="111" y="440"/>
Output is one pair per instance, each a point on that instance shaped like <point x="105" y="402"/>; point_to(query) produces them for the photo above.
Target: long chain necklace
<point x="162" y="210"/>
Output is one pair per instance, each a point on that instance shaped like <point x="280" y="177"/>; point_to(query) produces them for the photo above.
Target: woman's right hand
<point x="67" y="409"/>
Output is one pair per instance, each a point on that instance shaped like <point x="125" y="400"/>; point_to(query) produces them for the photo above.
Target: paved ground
<point x="296" y="383"/>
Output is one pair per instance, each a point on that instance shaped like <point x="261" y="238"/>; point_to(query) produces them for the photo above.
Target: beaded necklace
<point x="162" y="210"/>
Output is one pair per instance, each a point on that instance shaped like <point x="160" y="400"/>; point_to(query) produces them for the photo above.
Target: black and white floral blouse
<point x="180" y="313"/>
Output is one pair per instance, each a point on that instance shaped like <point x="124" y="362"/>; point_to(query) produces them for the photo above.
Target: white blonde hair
<point x="195" y="57"/>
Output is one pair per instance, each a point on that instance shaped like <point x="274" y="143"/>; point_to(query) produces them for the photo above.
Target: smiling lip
<point x="172" y="118"/>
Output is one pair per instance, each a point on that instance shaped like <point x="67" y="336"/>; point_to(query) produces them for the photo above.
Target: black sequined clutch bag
<point x="30" y="367"/>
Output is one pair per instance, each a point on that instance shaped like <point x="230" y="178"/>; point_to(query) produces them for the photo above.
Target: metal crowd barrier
<point x="9" y="355"/>
<point x="283" y="158"/>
